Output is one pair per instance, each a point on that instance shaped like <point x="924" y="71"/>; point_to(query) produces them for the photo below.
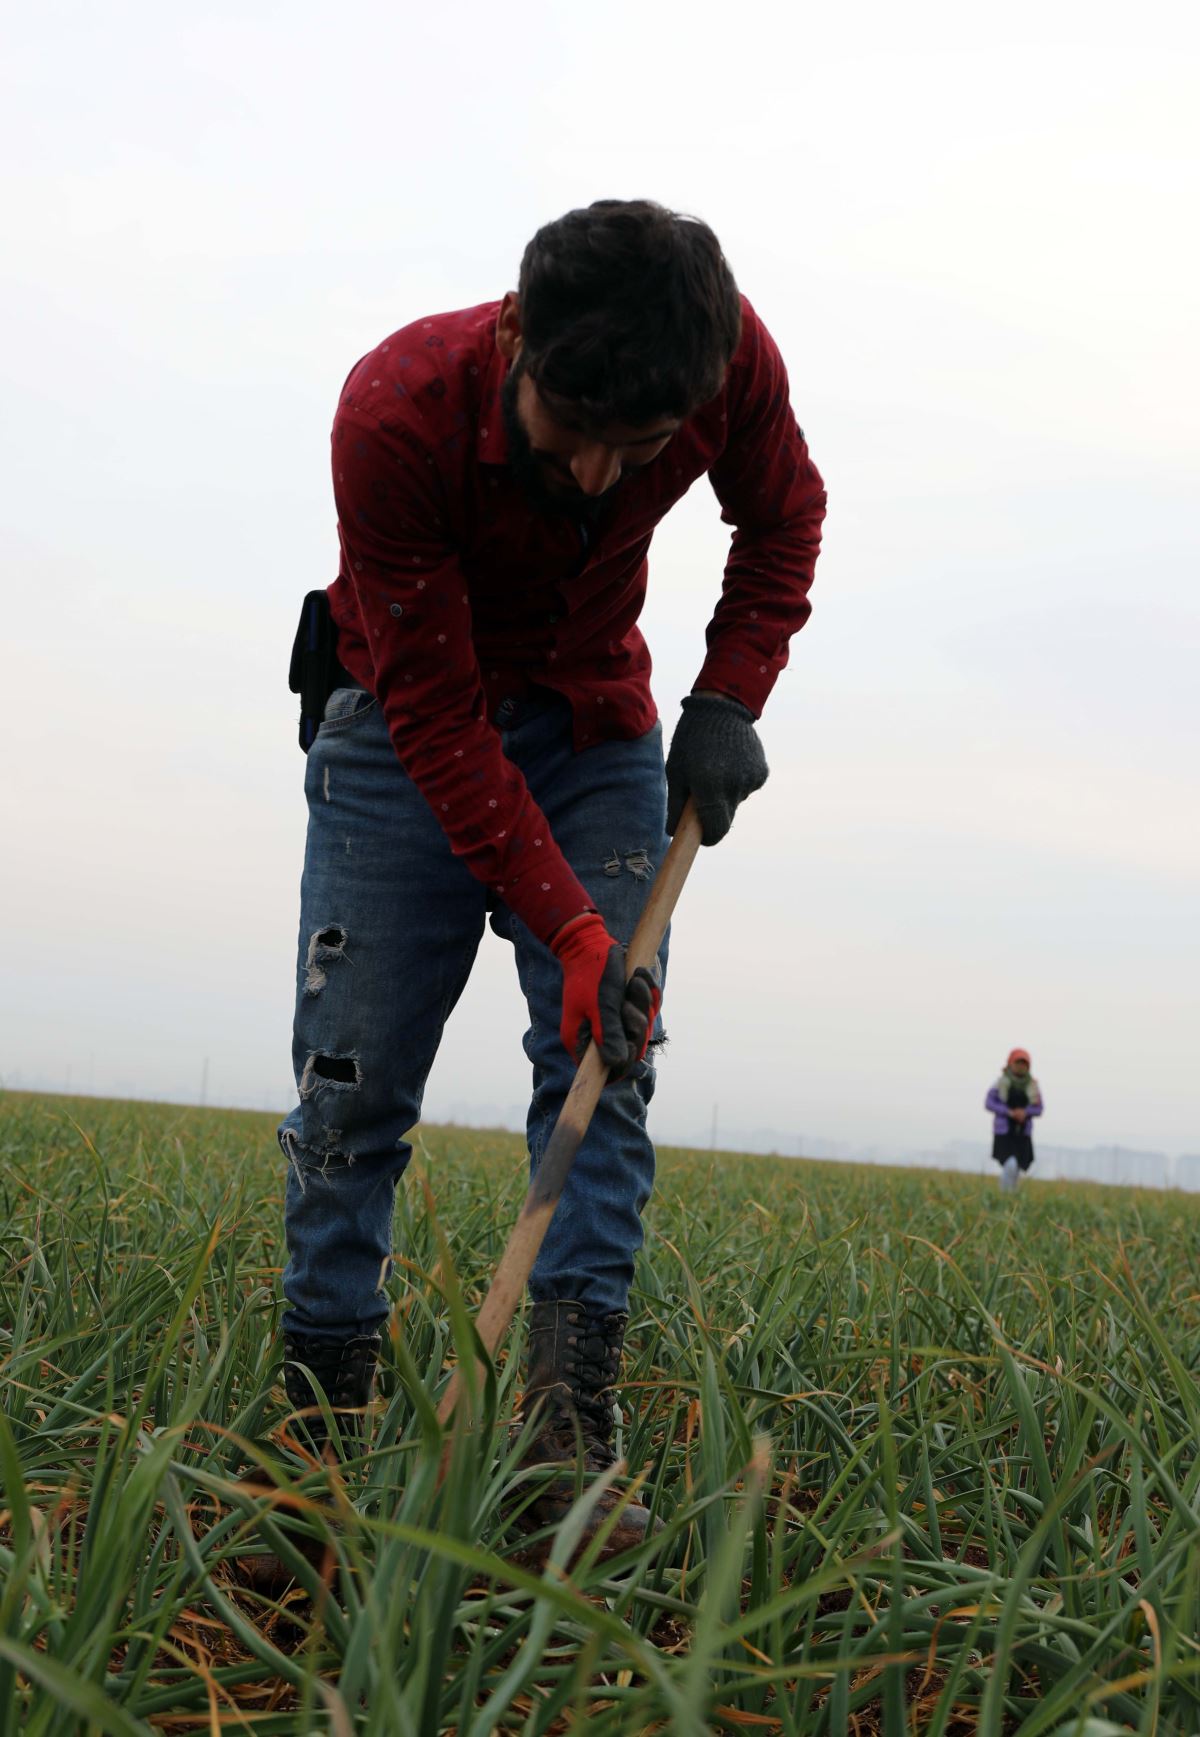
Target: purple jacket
<point x="995" y="1102"/>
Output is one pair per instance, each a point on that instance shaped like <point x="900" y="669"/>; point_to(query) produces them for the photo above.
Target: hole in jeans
<point x="336" y="1067"/>
<point x="324" y="947"/>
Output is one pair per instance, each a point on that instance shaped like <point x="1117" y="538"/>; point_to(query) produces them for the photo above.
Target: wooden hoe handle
<point x="516" y="1263"/>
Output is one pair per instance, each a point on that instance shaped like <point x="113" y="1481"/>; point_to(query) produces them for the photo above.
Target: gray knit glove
<point x="717" y="759"/>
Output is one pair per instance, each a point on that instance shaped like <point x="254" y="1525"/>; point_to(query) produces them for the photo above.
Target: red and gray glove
<point x="597" y="1002"/>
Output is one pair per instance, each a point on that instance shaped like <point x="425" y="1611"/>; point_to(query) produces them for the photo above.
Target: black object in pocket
<point x="315" y="670"/>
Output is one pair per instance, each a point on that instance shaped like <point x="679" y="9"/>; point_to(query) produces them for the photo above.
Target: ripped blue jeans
<point x="390" y="922"/>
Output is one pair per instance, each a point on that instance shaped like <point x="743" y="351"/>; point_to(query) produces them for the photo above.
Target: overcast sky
<point x="972" y="231"/>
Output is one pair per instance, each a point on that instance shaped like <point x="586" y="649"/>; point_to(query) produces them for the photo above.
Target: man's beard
<point x="528" y="470"/>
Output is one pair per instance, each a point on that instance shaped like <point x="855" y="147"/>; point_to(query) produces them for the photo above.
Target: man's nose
<point x="595" y="468"/>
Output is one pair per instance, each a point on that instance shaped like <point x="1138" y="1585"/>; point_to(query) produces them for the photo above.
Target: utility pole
<point x="204" y="1084"/>
<point x="712" y="1143"/>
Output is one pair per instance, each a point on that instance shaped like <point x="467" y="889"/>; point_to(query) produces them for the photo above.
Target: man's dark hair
<point x="628" y="310"/>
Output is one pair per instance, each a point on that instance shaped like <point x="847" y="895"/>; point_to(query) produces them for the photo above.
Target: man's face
<point x="566" y="464"/>
<point x="1020" y="1068"/>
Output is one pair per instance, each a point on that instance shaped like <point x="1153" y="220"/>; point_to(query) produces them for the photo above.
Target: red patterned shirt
<point x="454" y="594"/>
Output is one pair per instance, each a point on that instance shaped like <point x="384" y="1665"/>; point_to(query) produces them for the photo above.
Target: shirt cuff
<point x="738" y="677"/>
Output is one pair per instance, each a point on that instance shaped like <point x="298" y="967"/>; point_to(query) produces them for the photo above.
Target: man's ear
<point x="508" y="327"/>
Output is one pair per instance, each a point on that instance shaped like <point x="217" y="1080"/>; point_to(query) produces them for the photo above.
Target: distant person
<point x="1014" y="1100"/>
<point x="483" y="747"/>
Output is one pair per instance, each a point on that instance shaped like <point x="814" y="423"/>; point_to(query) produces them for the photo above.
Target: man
<point x="490" y="751"/>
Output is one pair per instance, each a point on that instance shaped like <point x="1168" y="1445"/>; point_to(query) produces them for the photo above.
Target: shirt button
<point x="397" y="609"/>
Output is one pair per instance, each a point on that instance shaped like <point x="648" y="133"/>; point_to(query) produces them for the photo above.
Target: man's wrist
<point x="710" y="697"/>
<point x="584" y="920"/>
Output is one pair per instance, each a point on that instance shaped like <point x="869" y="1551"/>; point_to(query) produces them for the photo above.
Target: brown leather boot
<point x="572" y="1362"/>
<point x="346" y="1371"/>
